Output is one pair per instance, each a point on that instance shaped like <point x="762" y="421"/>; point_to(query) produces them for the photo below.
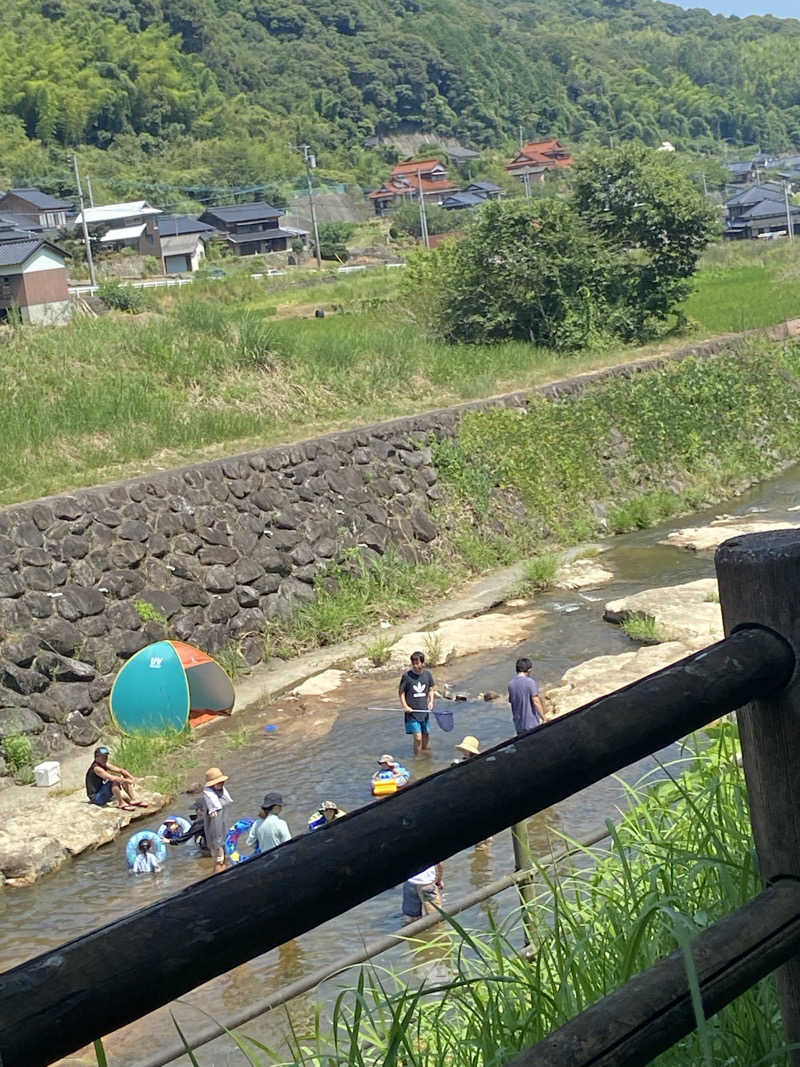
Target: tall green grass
<point x="680" y="858"/>
<point x="697" y="426"/>
<point x="164" y="756"/>
<point x="743" y="285"/>
<point x="353" y="596"/>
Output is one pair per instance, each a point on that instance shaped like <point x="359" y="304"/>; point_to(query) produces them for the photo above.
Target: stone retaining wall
<point x="215" y="548"/>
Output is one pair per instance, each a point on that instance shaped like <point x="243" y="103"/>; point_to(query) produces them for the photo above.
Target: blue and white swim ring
<point x="184" y="824"/>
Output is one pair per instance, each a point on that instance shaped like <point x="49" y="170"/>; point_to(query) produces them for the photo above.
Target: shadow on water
<point x="328" y="751"/>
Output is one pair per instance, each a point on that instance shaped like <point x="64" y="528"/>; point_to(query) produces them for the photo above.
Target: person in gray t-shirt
<point x="523" y="695"/>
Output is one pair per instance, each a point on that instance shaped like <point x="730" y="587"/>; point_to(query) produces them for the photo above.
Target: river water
<point x="327" y="749"/>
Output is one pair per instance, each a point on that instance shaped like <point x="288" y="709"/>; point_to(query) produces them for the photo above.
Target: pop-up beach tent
<point x="167" y="685"/>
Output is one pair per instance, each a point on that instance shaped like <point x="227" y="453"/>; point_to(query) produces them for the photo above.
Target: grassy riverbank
<point x="628" y="453"/>
<point x="220" y="366"/>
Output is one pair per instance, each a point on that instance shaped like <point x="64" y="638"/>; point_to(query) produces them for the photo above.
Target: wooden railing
<point x="63" y="999"/>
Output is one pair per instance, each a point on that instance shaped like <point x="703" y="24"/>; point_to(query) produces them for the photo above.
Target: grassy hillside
<point x="203" y="93"/>
<point x="221" y="366"/>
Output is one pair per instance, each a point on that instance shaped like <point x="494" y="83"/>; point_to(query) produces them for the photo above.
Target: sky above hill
<point x="780" y="8"/>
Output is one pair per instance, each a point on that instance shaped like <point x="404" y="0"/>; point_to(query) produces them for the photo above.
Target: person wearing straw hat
<point x="389" y="770"/>
<point x="215" y="798"/>
<point x="328" y="812"/>
<point x="467" y="749"/>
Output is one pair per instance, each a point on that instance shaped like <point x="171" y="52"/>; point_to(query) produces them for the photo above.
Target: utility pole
<point x="789" y="229"/>
<point x="705" y="187"/>
<point x="86" y="244"/>
<point x="311" y="161"/>
<point x="89" y="190"/>
<point x="423" y="218"/>
<point x="521" y="138"/>
<point x="526" y="181"/>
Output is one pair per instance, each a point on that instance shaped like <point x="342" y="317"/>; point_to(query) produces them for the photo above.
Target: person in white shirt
<point x="427" y="887"/>
<point x="268" y="831"/>
<point x="145" y="862"/>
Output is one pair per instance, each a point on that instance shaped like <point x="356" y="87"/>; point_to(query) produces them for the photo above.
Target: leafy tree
<point x="530" y="270"/>
<point x="405" y="219"/>
<point x="641" y="202"/>
<point x="612" y="261"/>
<point x="333" y="238"/>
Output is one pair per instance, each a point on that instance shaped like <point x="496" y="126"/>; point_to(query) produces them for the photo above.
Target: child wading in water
<point x="145" y="862"/>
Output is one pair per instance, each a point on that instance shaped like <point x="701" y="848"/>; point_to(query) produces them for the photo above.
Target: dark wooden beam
<point x="60" y="1001"/>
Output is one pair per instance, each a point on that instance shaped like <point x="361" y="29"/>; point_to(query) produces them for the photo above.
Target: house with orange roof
<point x="408" y="180"/>
<point x="536" y="158"/>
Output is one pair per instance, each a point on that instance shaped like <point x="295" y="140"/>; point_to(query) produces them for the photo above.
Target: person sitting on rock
<point x="326" y="813"/>
<point x="105" y="780"/>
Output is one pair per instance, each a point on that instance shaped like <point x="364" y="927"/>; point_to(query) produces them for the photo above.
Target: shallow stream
<point x="327" y="749"/>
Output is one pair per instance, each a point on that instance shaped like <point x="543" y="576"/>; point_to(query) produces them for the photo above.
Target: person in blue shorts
<point x="416" y="696"/>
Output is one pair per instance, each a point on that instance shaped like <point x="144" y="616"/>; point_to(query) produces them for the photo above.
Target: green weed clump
<point x="540" y="572"/>
<point x="122" y="297"/>
<point x="379" y="651"/>
<point x="232" y="660"/>
<point x="18" y="752"/>
<point x="642" y="628"/>
<point x="352" y="596"/>
<point x="148" y="612"/>
<point x="163" y="756"/>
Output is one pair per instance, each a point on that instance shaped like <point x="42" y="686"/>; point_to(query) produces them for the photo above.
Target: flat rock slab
<point x="705" y="538"/>
<point x="683" y="612"/>
<point x="463" y="637"/>
<point x="320" y="684"/>
<point x="602" y="675"/>
<point x="40" y="832"/>
<point x="582" y="574"/>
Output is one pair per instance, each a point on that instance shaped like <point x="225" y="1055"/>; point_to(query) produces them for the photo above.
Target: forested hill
<point x="215" y="90"/>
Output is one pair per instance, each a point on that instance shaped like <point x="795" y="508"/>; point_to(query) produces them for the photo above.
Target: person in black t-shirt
<point x="105" y="780"/>
<point x="416" y="696"/>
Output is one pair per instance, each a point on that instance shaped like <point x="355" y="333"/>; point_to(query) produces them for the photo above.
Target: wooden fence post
<point x="759" y="583"/>
<point x="522" y="862"/>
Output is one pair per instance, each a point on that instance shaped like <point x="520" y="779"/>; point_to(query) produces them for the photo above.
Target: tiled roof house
<point x="408" y="179"/>
<point x="537" y="157"/>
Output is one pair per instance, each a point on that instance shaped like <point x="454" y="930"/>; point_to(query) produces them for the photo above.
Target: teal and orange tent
<point x="167" y="685"/>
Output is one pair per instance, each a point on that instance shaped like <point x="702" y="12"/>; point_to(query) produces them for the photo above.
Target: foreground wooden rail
<point x="59" y="1001"/>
